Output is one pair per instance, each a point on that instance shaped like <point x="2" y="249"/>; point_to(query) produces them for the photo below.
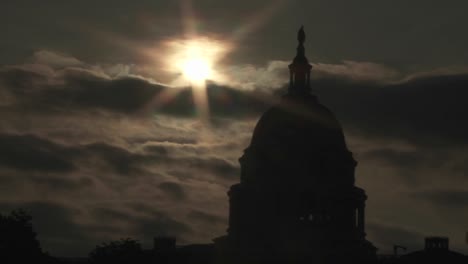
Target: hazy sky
<point x="97" y="143"/>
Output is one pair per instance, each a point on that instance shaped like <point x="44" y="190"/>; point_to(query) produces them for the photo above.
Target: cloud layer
<point x="95" y="155"/>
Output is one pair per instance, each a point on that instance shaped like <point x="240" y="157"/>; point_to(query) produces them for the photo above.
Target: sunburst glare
<point x="195" y="59"/>
<point x="196" y="69"/>
<point x="192" y="59"/>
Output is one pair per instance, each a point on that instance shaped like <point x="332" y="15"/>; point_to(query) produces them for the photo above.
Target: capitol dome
<point x="296" y="201"/>
<point x="298" y="139"/>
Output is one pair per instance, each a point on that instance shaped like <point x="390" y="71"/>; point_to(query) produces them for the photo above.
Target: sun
<point x="196" y="69"/>
<point x="192" y="62"/>
<point x="195" y="60"/>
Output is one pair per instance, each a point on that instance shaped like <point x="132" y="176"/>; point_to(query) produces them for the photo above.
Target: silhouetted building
<point x="164" y="243"/>
<point x="436" y="243"/>
<point x="436" y="250"/>
<point x="296" y="201"/>
<point x="166" y="251"/>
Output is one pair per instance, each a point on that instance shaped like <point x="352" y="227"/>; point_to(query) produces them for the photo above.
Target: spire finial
<point x="301" y="35"/>
<point x="299" y="69"/>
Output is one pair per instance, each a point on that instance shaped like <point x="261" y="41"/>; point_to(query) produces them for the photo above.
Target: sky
<point x="103" y="136"/>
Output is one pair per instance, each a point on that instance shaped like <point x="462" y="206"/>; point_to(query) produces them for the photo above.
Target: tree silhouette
<point x="120" y="251"/>
<point x="18" y="242"/>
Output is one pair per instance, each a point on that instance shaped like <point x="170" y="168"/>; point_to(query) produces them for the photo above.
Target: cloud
<point x="122" y="161"/>
<point x="80" y="89"/>
<point x="425" y="111"/>
<point x="219" y="167"/>
<point x="455" y="198"/>
<point x="83" y="90"/>
<point x="131" y="157"/>
<point x="206" y="218"/>
<point x="385" y="235"/>
<point x="58" y="183"/>
<point x="275" y="74"/>
<point x="406" y="158"/>
<point x="173" y="190"/>
<point x="30" y="153"/>
<point x="95" y="184"/>
<point x="62" y="232"/>
<point x="356" y="71"/>
<point x="106" y="214"/>
<point x="249" y="77"/>
<point x="421" y="108"/>
<point x="55" y="60"/>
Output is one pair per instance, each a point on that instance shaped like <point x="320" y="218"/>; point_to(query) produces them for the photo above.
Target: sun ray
<point x="257" y="20"/>
<point x="193" y="59"/>
<point x="200" y="98"/>
<point x="159" y="100"/>
<point x="196" y="60"/>
<point x="188" y="18"/>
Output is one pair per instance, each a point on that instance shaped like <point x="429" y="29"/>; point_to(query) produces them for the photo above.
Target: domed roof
<point x="300" y="140"/>
<point x="299" y="122"/>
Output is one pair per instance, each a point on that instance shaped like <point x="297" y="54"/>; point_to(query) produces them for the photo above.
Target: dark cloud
<point x="21" y="82"/>
<point x="102" y="162"/>
<point x="417" y="166"/>
<point x="227" y="101"/>
<point x="85" y="91"/>
<point x="163" y="157"/>
<point x="181" y="174"/>
<point x="412" y="159"/>
<point x="457" y="199"/>
<point x="75" y="89"/>
<point x="425" y="110"/>
<point x="197" y="160"/>
<point x="79" y="89"/>
<point x="159" y="150"/>
<point x="405" y="159"/>
<point x="206" y="218"/>
<point x="61" y="183"/>
<point x="111" y="214"/>
<point x="122" y="161"/>
<point x="56" y="226"/>
<point x="142" y="207"/>
<point x="173" y="190"/>
<point x="30" y="153"/>
<point x="384" y="236"/>
<point x="164" y="139"/>
<point x="218" y="166"/>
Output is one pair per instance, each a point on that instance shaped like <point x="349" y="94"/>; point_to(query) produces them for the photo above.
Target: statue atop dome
<point x="301" y="35"/>
<point x="299" y="69"/>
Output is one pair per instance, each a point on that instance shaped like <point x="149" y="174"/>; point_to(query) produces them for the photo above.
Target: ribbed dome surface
<point x="300" y="139"/>
<point x="299" y="123"/>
